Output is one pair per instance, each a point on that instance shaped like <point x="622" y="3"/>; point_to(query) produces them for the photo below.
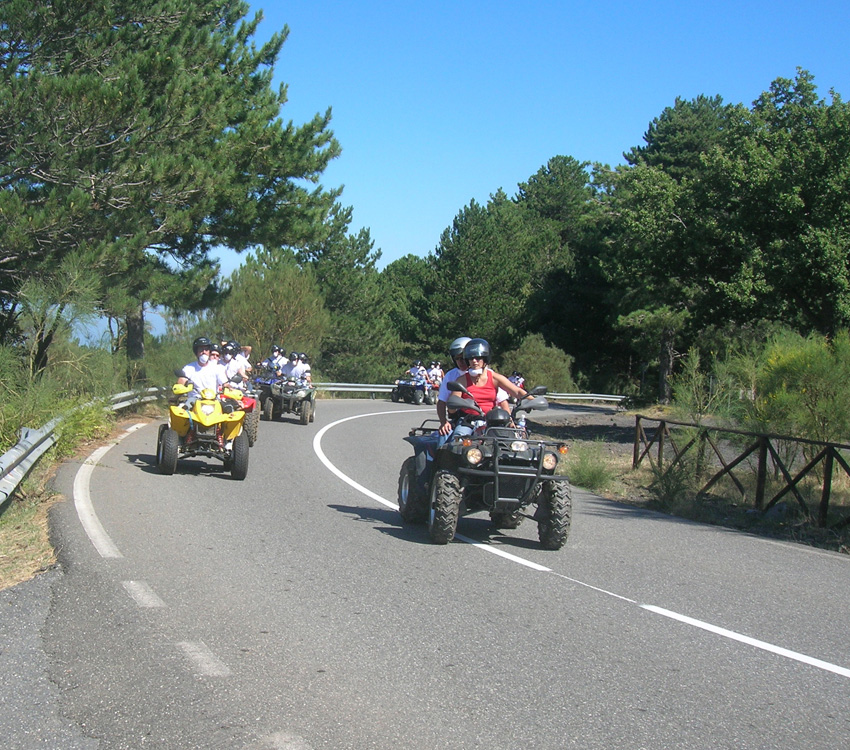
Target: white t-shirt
<point x="210" y="375"/>
<point x="296" y="370"/>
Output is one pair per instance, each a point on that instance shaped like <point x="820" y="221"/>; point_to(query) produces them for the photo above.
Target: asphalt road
<point x="293" y="610"/>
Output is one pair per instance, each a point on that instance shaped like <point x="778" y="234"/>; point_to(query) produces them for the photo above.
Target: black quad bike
<point x="290" y="396"/>
<point x="496" y="468"/>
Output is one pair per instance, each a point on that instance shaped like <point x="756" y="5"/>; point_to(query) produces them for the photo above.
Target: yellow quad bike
<point x="211" y="426"/>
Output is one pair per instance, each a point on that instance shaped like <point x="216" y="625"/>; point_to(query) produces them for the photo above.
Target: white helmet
<point x="456" y="347"/>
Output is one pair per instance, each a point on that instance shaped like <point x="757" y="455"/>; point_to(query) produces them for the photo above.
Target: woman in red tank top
<point x="480" y="380"/>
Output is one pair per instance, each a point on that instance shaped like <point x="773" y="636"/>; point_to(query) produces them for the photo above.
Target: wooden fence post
<point x="761" y="473"/>
<point x="827" y="486"/>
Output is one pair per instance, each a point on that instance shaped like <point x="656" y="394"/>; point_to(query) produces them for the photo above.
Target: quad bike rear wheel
<point x="251" y="424"/>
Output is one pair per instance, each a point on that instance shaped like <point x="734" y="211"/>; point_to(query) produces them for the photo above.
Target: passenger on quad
<point x="483" y="383"/>
<point x="308" y="370"/>
<point x="456" y="373"/>
<point x="234" y="364"/>
<point x="294" y="369"/>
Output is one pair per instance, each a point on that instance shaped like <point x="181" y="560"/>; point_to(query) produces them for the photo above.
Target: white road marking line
<point x="750" y="641"/>
<point x="317" y="448"/>
<point x="142" y="594"/>
<point x="82" y="499"/>
<point x="778" y="650"/>
<point x="85" y="511"/>
<point x="205" y="661"/>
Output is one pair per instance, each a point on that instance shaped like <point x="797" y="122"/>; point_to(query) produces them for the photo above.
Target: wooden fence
<point x="761" y="445"/>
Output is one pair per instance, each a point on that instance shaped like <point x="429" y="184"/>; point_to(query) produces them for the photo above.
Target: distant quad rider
<point x="295" y="369"/>
<point x="275" y="360"/>
<point x="417" y="371"/>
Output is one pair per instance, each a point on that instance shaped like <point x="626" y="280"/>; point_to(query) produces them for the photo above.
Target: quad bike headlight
<point x="550" y="461"/>
<point x="520" y="446"/>
<point x="208" y="409"/>
<point x="474" y="456"/>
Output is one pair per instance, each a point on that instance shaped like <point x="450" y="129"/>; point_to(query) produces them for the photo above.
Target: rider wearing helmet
<point x="305" y="364"/>
<point x="456" y="373"/>
<point x="275" y="360"/>
<point x="295" y="369"/>
<point x="205" y="371"/>
<point x="417" y="371"/>
<point x="483" y="383"/>
<point x="233" y="363"/>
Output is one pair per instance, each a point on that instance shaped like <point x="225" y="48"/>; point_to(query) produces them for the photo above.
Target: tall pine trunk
<point x="665" y="366"/>
<point x="136" y="347"/>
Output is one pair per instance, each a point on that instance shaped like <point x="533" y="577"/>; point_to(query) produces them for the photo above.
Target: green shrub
<point x="588" y="466"/>
<point x="540" y="365"/>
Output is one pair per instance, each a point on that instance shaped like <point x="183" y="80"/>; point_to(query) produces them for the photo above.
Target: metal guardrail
<point x="16" y="463"/>
<point x="586" y="397"/>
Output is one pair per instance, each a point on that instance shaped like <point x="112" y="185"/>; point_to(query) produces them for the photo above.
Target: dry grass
<point x="25" y="549"/>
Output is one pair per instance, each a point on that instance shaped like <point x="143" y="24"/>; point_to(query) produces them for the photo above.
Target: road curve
<point x="293" y="610"/>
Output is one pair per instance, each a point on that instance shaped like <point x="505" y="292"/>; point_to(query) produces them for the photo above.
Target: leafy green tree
<point x="487" y="265"/>
<point x="679" y="137"/>
<point x="359" y="345"/>
<point x="151" y="134"/>
<point x="408" y="286"/>
<point x="271" y="299"/>
<point x="777" y="208"/>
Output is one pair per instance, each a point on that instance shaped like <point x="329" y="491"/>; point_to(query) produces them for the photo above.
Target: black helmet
<point x="199" y="343"/>
<point x="231" y="348"/>
<point x="456" y="347"/>
<point x="433" y="364"/>
<point x="293" y="356"/>
<point x="477" y="348"/>
<point x="497" y="417"/>
<point x="275" y="349"/>
<point x="303" y="357"/>
<point x="235" y="344"/>
<point x="417" y="363"/>
<point x="215" y="348"/>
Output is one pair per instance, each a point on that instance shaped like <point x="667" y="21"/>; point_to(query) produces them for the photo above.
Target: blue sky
<point x="438" y="103"/>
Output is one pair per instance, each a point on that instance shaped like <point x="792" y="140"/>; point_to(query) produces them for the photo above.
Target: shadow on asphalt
<point x="196" y="467"/>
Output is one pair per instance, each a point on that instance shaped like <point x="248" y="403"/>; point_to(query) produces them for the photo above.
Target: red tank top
<point x="484" y="395"/>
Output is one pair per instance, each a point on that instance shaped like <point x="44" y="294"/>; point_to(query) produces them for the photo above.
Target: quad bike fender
<point x="179" y="420"/>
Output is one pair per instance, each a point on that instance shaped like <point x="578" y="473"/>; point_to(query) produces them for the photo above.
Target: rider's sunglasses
<point x="215" y="354"/>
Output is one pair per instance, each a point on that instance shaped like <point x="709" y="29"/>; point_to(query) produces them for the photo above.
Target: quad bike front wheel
<point x="444" y="507"/>
<point x="167" y="448"/>
<point x="268" y="409"/>
<point x="554" y="513"/>
<point x="306" y="411"/>
<point x="239" y="457"/>
<point x="412" y="505"/>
